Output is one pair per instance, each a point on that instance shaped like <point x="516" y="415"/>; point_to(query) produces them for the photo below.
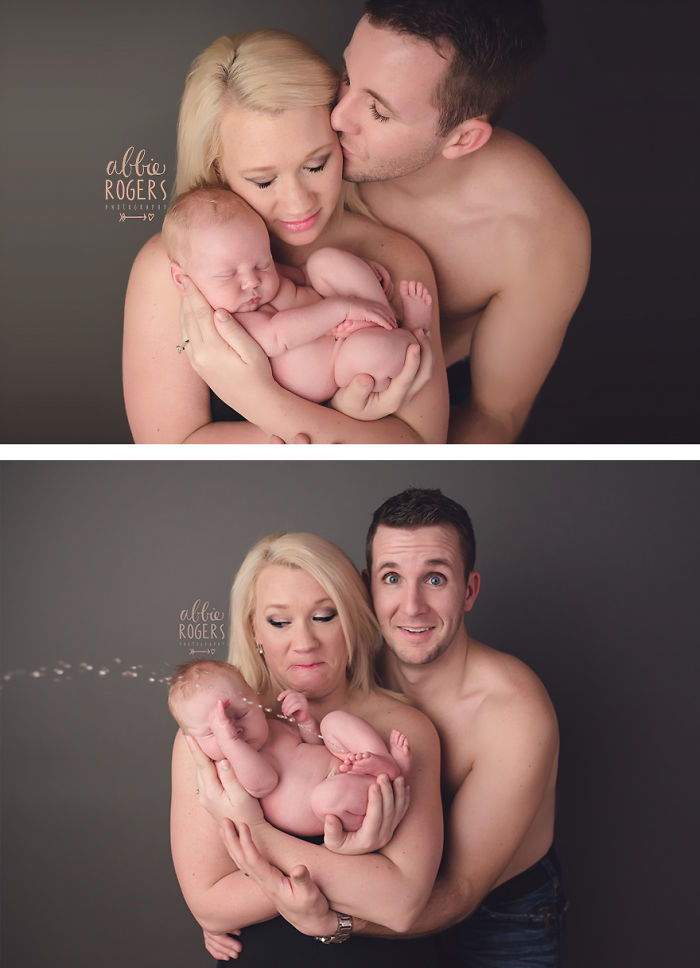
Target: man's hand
<point x="387" y="804"/>
<point x="221" y="946"/>
<point x="296" y="897"/>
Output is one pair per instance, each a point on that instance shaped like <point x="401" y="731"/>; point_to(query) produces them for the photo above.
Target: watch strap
<point x="343" y="931"/>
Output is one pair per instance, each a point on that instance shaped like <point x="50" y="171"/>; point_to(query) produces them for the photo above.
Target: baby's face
<point x="231" y="264"/>
<point x="240" y="705"/>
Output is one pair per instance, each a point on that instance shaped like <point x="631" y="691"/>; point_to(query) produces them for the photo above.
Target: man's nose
<point x="413" y="601"/>
<point x="341" y="115"/>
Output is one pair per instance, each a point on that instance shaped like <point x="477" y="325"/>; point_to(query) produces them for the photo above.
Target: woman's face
<point x="287" y="166"/>
<point x="299" y="629"/>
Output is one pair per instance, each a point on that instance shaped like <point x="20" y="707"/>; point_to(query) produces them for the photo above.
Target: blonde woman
<point x="301" y="619"/>
<point x="255" y="118"/>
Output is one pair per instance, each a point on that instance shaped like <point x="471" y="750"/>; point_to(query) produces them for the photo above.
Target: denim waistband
<point x="528" y="880"/>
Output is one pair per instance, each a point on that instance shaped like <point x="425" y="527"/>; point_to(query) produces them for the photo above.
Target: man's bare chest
<point x="462" y="249"/>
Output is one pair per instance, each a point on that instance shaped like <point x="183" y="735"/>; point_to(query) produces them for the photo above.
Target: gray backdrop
<point x="614" y="109"/>
<point x="589" y="575"/>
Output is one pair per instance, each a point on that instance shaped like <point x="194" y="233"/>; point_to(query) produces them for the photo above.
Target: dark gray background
<point x="614" y="109"/>
<point x="589" y="574"/>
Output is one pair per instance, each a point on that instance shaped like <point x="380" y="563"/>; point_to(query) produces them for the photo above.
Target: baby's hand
<point x="294" y="705"/>
<point x="382" y="274"/>
<point x="349" y="326"/>
<point x="221" y="725"/>
<point x="368" y="311"/>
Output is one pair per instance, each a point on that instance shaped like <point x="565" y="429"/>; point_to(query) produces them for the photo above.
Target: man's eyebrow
<point x="442" y="562"/>
<point x="377" y="97"/>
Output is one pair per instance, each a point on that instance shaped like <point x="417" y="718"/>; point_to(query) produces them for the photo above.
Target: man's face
<point x="419" y="590"/>
<point x="386" y="119"/>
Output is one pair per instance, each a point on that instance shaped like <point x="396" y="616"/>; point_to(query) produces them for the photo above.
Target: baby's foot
<point x="400" y="749"/>
<point x="416" y="302"/>
<point x="368" y="764"/>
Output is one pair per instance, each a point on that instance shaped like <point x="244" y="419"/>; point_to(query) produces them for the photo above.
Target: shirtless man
<point x="498" y="891"/>
<point x="508" y="241"/>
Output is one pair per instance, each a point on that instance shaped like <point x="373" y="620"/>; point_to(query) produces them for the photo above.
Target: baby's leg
<point x="416" y="303"/>
<point x="358" y="745"/>
<point x="379" y="352"/>
<point x="333" y="272"/>
<point x="344" y="796"/>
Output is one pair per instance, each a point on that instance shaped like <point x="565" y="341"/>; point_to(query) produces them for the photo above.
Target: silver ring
<point x="180" y="346"/>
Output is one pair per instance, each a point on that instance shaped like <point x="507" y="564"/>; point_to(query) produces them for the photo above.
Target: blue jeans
<point x="511" y="932"/>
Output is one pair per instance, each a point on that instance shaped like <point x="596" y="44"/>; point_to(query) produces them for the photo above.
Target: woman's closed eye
<point x="316" y="168"/>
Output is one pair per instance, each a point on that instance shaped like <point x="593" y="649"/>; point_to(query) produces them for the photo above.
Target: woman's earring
<point x="259" y="648"/>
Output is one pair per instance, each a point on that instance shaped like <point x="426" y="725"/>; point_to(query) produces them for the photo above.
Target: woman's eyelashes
<point x="279" y="623"/>
<point x="312" y="169"/>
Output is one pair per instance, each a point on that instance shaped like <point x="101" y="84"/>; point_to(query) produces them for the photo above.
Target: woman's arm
<point x="220" y="897"/>
<point x="392" y="886"/>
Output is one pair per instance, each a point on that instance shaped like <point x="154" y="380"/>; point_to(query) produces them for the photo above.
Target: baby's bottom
<point x="363" y="755"/>
<point x="379" y="352"/>
<point x="344" y="796"/>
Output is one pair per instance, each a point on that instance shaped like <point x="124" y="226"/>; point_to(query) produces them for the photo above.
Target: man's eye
<point x="376" y="115"/>
<point x="391" y="579"/>
<point x="436" y="580"/>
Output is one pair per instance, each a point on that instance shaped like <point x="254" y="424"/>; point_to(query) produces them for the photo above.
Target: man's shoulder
<point x="509" y="688"/>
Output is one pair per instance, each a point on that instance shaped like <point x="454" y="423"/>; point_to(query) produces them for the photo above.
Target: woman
<point x="301" y="619"/>
<point x="255" y="117"/>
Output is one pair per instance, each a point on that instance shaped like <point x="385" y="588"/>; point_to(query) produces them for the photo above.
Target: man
<point x="498" y="891"/>
<point x="425" y="84"/>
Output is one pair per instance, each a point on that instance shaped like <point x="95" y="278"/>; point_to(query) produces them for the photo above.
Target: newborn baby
<point x="315" y="345"/>
<point x="297" y="778"/>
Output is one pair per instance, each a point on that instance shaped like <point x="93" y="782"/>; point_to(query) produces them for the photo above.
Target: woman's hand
<point x="221" y="352"/>
<point x="359" y="400"/>
<point x="221" y="946"/>
<point x="219" y="792"/>
<point x="387" y="804"/>
<point x="296" y="897"/>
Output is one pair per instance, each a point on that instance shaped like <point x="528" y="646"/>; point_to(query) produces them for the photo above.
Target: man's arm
<point x="520" y="332"/>
<point x="493" y="810"/>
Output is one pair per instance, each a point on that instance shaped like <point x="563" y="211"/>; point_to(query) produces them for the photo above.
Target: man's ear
<point x="473" y="585"/>
<point x="177" y="272"/>
<point x="467" y="137"/>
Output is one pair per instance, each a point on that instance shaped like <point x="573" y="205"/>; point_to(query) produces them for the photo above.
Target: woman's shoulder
<point x="372" y="240"/>
<point x="151" y="254"/>
<point x="395" y="713"/>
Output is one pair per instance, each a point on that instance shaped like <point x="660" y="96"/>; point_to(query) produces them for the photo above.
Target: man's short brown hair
<point x="493" y="48"/>
<point x="419" y="507"/>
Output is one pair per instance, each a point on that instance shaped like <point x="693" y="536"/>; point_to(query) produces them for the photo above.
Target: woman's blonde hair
<point x="339" y="579"/>
<point x="265" y="70"/>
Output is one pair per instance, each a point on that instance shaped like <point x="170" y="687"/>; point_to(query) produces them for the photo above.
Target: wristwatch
<point x="343" y="932"/>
